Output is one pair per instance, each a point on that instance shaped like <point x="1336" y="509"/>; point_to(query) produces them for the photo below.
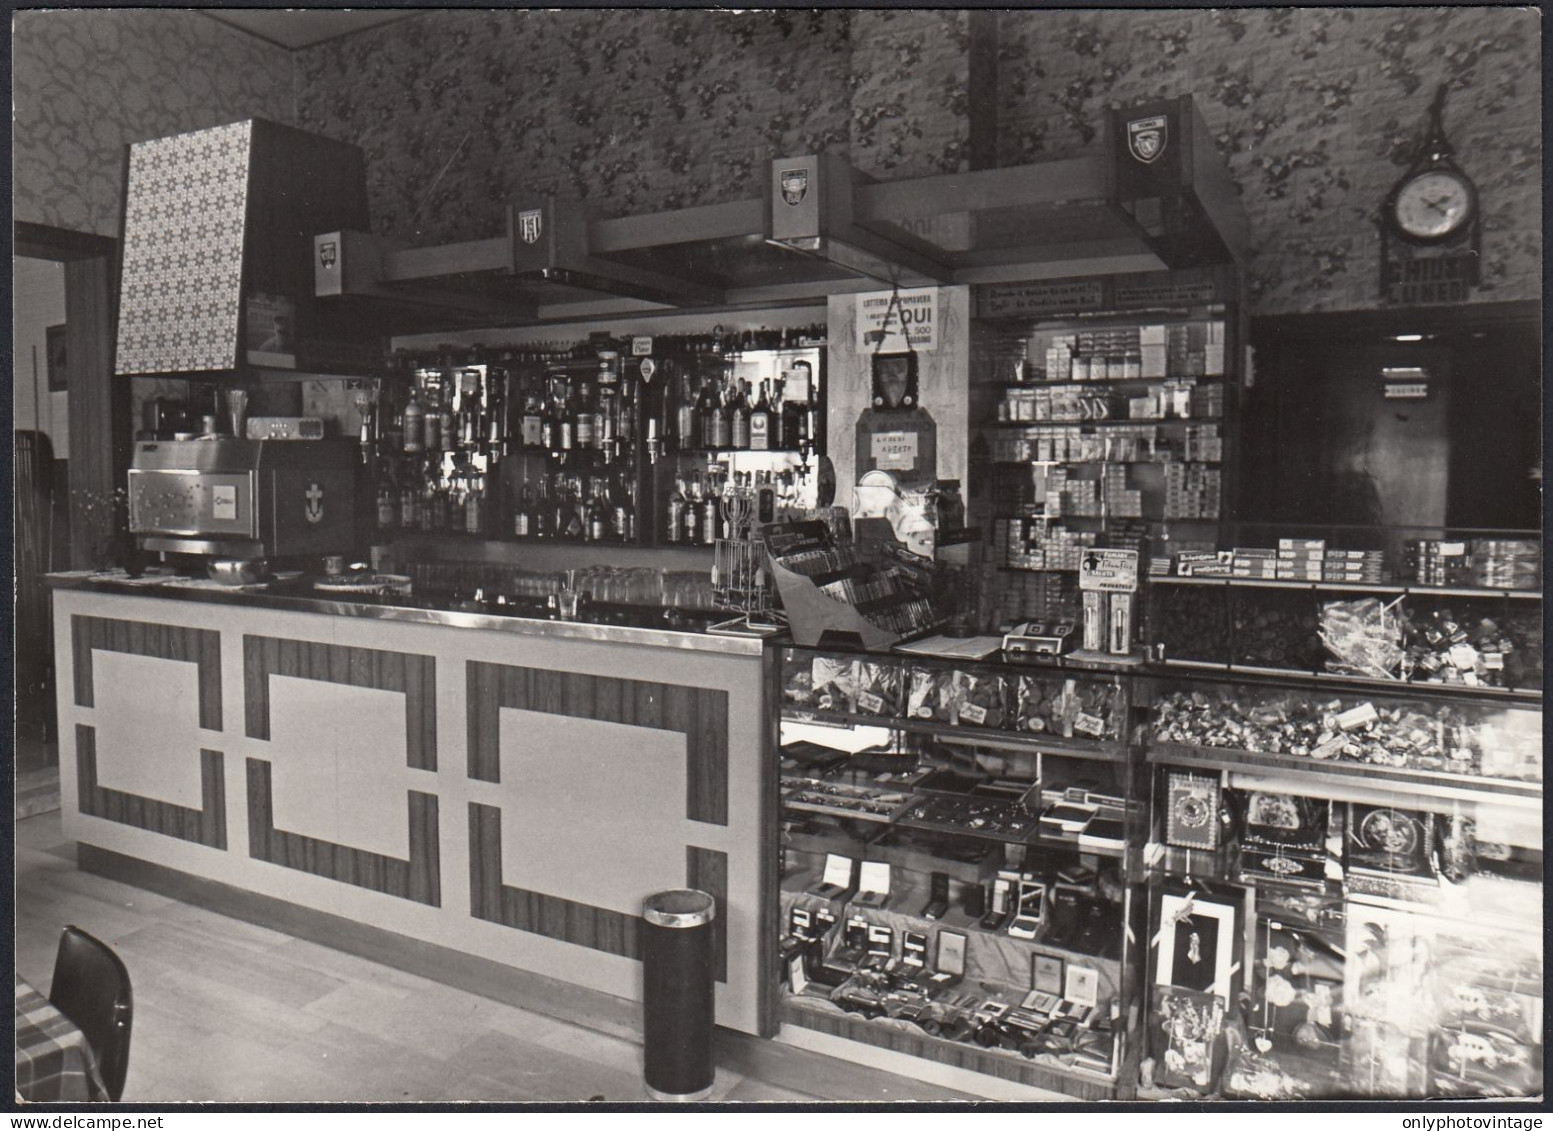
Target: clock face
<point x="1433" y="205"/>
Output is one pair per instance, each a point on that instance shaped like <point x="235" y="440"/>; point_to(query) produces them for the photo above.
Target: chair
<point x="91" y="988"/>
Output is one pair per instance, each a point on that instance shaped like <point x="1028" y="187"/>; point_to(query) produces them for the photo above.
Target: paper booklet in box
<point x="839" y="879"/>
<point x="873" y="884"/>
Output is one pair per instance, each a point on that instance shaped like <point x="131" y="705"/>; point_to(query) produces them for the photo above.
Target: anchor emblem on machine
<point x="313" y="510"/>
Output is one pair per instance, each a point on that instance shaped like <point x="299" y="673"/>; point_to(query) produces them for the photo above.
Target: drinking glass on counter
<point x="237" y="409"/>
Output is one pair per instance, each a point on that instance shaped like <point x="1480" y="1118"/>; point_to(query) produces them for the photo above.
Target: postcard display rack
<point x="957" y="887"/>
<point x="1161" y="883"/>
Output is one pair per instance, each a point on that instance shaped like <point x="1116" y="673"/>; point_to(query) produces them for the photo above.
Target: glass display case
<point x="1462" y="637"/>
<point x="957" y="844"/>
<point x="1345" y="891"/>
<point x="1164" y="883"/>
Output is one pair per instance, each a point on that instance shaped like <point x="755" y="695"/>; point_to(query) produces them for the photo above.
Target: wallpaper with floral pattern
<point x="1317" y="111"/>
<point x="86" y="83"/>
<point x="630" y="111"/>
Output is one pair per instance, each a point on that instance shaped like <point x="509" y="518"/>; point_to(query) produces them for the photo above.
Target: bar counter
<point x="504" y="787"/>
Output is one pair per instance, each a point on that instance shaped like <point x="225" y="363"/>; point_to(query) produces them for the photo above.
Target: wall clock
<point x="1430" y="224"/>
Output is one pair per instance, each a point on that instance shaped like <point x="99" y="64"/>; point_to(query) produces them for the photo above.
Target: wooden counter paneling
<point x="159" y="641"/>
<point x="419" y="878"/>
<point x="598" y="928"/>
<point x="205" y="825"/>
<point x="700" y="714"/>
<point x="413" y="676"/>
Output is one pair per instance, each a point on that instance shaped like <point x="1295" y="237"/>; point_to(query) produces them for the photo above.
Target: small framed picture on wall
<point x="59" y="373"/>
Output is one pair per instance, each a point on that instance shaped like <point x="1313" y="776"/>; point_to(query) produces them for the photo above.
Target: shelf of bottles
<point x="747" y="417"/>
<point x="630" y="441"/>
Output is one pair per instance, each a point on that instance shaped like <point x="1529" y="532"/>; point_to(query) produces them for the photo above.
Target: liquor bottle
<point x="707" y="412"/>
<point x="532" y="429"/>
<point x="686" y="418"/>
<point x="584" y="421"/>
<point x="474" y="506"/>
<point x="414" y="423"/>
<point x="739" y="418"/>
<point x="566" y="423"/>
<point x="674" y="527"/>
<point x="709" y="517"/>
<point x="692" y="516"/>
<point x="625" y="426"/>
<point x="791" y="415"/>
<point x="760" y="422"/>
<point x="409" y="516"/>
<point x="387" y="501"/>
<point x="549" y="422"/>
<point x="608" y="424"/>
<point x="622" y="514"/>
<point x="542" y="517"/>
<point x="522" y="516"/>
<point x="598" y="515"/>
<point x="575" y="530"/>
<point x="722" y="422"/>
<point x="447" y="429"/>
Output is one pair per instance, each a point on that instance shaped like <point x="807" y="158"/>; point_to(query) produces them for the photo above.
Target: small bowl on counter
<point x="238" y="571"/>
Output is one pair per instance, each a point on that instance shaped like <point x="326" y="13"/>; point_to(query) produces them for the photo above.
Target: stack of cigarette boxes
<point x="1366" y="567"/>
<point x="1308" y="559"/>
<point x="1254" y="562"/>
<point x="1433" y="561"/>
<point x="1301" y="559"/>
<point x="1121" y="501"/>
<point x="1191" y="491"/>
<point x="1203" y="442"/>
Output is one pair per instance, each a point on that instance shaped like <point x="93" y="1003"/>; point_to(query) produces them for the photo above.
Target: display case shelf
<point x="1390" y="588"/>
<point x="1415" y="782"/>
<point x="1342" y="680"/>
<point x="1100" y="750"/>
<point x="901" y="1037"/>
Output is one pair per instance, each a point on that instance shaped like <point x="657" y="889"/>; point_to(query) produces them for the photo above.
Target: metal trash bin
<point x="677" y="994"/>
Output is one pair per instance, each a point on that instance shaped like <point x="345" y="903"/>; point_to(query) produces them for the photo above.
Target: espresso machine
<point x="249" y="500"/>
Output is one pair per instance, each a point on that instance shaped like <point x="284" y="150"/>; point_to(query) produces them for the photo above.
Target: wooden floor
<point x="225" y="1010"/>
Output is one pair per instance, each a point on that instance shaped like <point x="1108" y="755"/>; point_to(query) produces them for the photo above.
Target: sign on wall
<point x="916" y="310"/>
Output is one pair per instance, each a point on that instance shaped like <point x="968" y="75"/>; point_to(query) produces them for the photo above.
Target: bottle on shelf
<point x="531" y="433"/>
<point x="739" y="418"/>
<point x="674" y="526"/>
<point x="598" y="514"/>
<point x="414" y="423"/>
<point x="709" y="515"/>
<point x="760" y="422"/>
<point x="692" y="517"/>
<point x="549" y="420"/>
<point x="710" y="413"/>
<point x="566" y="423"/>
<point x="523" y="515"/>
<point x="686" y="419"/>
<point x="585" y="420"/>
<point x="447" y="429"/>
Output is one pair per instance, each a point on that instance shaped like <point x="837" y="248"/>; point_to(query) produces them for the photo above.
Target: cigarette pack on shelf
<point x="1501" y="563"/>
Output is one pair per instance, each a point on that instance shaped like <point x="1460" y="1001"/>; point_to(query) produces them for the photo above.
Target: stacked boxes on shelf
<point x="1192" y="491"/>
<point x="1036" y="543"/>
<point x="1202" y="443"/>
<point x="1121" y="501"/>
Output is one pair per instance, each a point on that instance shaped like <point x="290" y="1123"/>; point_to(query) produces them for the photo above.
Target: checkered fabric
<point x="54" y="1064"/>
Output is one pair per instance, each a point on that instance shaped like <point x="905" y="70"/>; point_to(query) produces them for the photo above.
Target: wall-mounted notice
<point x="916" y="310"/>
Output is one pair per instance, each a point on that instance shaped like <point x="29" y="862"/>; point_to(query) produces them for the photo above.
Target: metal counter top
<point x="407" y="610"/>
